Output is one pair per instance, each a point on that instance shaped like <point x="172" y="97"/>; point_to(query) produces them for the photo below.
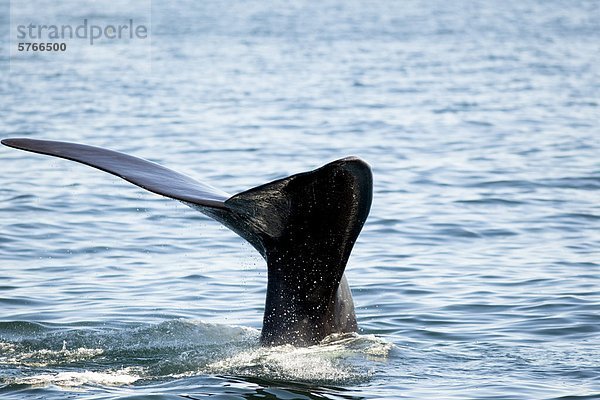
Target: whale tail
<point x="304" y="225"/>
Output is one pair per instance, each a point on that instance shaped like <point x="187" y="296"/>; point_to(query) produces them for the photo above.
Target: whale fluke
<point x="140" y="172"/>
<point x="304" y="225"/>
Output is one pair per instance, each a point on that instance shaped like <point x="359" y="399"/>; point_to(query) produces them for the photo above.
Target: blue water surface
<point x="476" y="276"/>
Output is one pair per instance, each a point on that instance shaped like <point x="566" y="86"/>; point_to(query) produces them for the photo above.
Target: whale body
<point x="304" y="226"/>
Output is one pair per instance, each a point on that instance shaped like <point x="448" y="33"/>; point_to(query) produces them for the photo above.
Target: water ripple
<point x="477" y="271"/>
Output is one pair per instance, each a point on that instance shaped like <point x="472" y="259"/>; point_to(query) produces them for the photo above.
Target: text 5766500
<point x="27" y="46"/>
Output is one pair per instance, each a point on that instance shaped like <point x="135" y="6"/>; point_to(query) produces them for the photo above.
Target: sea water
<point x="476" y="276"/>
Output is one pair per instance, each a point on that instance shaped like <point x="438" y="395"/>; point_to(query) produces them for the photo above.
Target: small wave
<point x="491" y="201"/>
<point x="576" y="182"/>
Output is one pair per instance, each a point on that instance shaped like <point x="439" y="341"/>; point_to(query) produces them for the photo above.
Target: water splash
<point x="181" y="348"/>
<point x="75" y="379"/>
<point x="329" y="362"/>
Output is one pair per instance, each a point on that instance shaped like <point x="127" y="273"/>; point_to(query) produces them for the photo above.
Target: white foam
<point x="283" y="363"/>
<point x="125" y="376"/>
<point x="45" y="357"/>
<point x="7" y="347"/>
<point x="321" y="363"/>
